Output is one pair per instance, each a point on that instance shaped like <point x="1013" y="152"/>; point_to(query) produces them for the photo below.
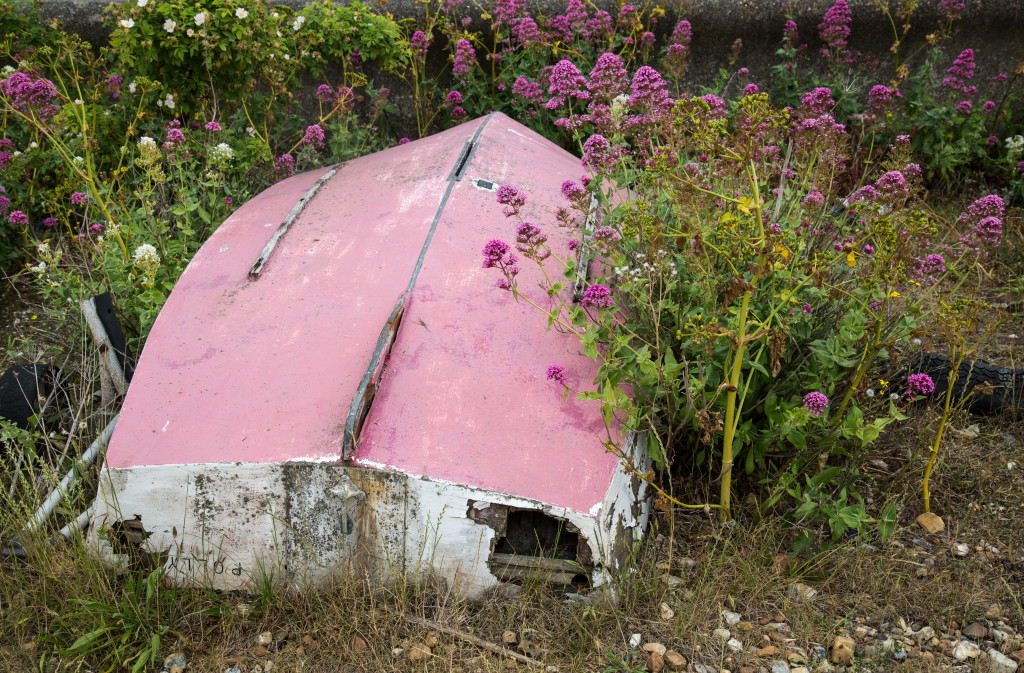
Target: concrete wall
<point x="993" y="28"/>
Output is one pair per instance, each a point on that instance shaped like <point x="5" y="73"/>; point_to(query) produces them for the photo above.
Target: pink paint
<point x="260" y="371"/>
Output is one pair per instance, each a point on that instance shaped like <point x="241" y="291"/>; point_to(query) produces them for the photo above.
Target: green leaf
<point x="654" y="449"/>
<point x="887" y="521"/>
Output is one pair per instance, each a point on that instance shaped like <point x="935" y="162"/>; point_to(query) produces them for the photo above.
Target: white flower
<point x="78" y="101"/>
<point x="916" y="342"/>
<point x="222" y="153"/>
<point x="169" y="102"/>
<point x="1011" y="336"/>
<point x="32" y="145"/>
<point x="278" y="33"/>
<point x="141" y="3"/>
<point x="870" y="392"/>
<point x="147" y="142"/>
<point x="299" y="20"/>
<point x="200" y="18"/>
<point x="17" y="153"/>
<point x="274" y="15"/>
<point x="131" y="87"/>
<point x="39" y="268"/>
<point x="287" y="57"/>
<point x="8" y="69"/>
<point x="159" y="103"/>
<point x="170" y="25"/>
<point x="250" y="130"/>
<point x="190" y="32"/>
<point x="145" y="255"/>
<point x="79" y="160"/>
<point x="241" y="13"/>
<point x="127" y="23"/>
<point x="894" y="396"/>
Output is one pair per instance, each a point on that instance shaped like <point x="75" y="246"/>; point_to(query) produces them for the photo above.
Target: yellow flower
<point x="894" y="293"/>
<point x="883" y="383"/>
<point x="851" y="259"/>
<point x="34" y="317"/>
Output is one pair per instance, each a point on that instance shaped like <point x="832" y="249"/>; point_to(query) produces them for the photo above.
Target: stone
<point x="744" y="626"/>
<point x="634" y="640"/>
<point x="702" y="668"/>
<point x="763" y="621"/>
<point x="799" y="669"/>
<point x="975" y="631"/>
<point x="780" y="667"/>
<point x="268" y="666"/>
<point x="960" y="549"/>
<point x="655" y="647"/>
<point x="842" y="650"/>
<point x="768" y="651"/>
<point x="734" y="645"/>
<point x="779" y="618"/>
<point x="924" y="635"/>
<point x="419" y="652"/>
<point x="748" y="669"/>
<point x="995" y="611"/>
<point x="509" y="638"/>
<point x="731" y="618"/>
<point x="397" y="652"/>
<point x="778" y="637"/>
<point x="265" y="638"/>
<point x="675" y="661"/>
<point x="432" y="640"/>
<point x="655" y="663"/>
<point x="965" y="650"/>
<point x="824" y="666"/>
<point x="666" y="611"/>
<point x="175" y="663"/>
<point x="801" y="592"/>
<point x="1000" y="663"/>
<point x="721" y="634"/>
<point x="359" y="645"/>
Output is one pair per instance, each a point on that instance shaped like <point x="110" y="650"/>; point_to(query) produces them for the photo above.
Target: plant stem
<point x="730" y="406"/>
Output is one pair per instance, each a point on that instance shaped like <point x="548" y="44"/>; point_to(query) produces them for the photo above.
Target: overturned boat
<point x="336" y="383"/>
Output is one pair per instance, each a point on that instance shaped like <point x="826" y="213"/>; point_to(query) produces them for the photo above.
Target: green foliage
<point x="197" y="50"/>
<point x="333" y="33"/>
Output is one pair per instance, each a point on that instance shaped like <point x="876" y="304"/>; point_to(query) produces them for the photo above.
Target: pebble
<point x="799" y="669"/>
<point x="975" y="631"/>
<point x="1000" y="663"/>
<point x="265" y="638"/>
<point x="960" y="549"/>
<point x="666" y="611"/>
<point x="731" y="618"/>
<point x="931" y="523"/>
<point x="175" y="663"/>
<point x="722" y="634"/>
<point x="734" y="645"/>
<point x="675" y="661"/>
<point x="655" y="663"/>
<point x="397" y="652"/>
<point x="655" y="647"/>
<point x="965" y="650"/>
<point x="419" y="652"/>
<point x="842" y="650"/>
<point x="634" y="640"/>
<point x="801" y="592"/>
<point x="509" y="638"/>
<point x="780" y="667"/>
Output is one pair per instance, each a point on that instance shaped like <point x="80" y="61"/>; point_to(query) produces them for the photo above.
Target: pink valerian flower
<point x="403" y="141"/>
<point x="892" y="185"/>
<point x="175" y="137"/>
<point x="324" y="93"/>
<point x="512" y="198"/>
<point x="79" y="199"/>
<point x="964" y="107"/>
<point x="751" y="90"/>
<point x="598" y="154"/>
<point x="681" y="38"/>
<point x="506" y="11"/>
<point x="605" y="237"/>
<point x="465" y="59"/>
<point x="930" y="269"/>
<point x="314" y="136"/>
<point x="573" y="192"/>
<point x="608" y="78"/>
<point x="556" y="373"/>
<point x="817" y="102"/>
<point x="50" y="222"/>
<point x="912" y="172"/>
<point x="30" y="95"/>
<point x="213" y="127"/>
<point x="626" y="14"/>
<point x="815" y="402"/>
<point x="647" y="40"/>
<point x="344" y="98"/>
<point x="576" y="14"/>
<point x="881" y="97"/>
<point x="903" y="140"/>
<point x="648" y="94"/>
<point x="560" y="28"/>
<point x="458" y="113"/>
<point x="17" y="218"/>
<point x="530" y="241"/>
<point x="962" y="70"/>
<point x="566" y="82"/>
<point x="5" y="203"/>
<point x="96" y="229"/>
<point x="951" y="9"/>
<point x="993" y="140"/>
<point x="601" y="27"/>
<point x="527" y="32"/>
<point x="814" y="200"/>
<point x="114" y="83"/>
<point x="988" y="108"/>
<point x="834" y="29"/>
<point x="921" y="384"/>
<point x="453" y="98"/>
<point x="597" y="296"/>
<point x="419" y="43"/>
<point x="498" y="254"/>
<point x="985" y="217"/>
<point x="530" y="92"/>
<point x="574" y="245"/>
<point x="285" y="165"/>
<point x="869" y="249"/>
<point x="791" y="32"/>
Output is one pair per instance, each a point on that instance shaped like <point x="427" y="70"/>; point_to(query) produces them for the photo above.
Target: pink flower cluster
<point x="834" y="30"/>
<point x="597" y="296"/>
<point x="30" y="95"/>
<point x="465" y="59"/>
<point x="960" y="73"/>
<point x="815" y="403"/>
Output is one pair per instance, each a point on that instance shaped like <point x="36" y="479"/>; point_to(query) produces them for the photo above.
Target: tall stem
<point x="730" y="406"/>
